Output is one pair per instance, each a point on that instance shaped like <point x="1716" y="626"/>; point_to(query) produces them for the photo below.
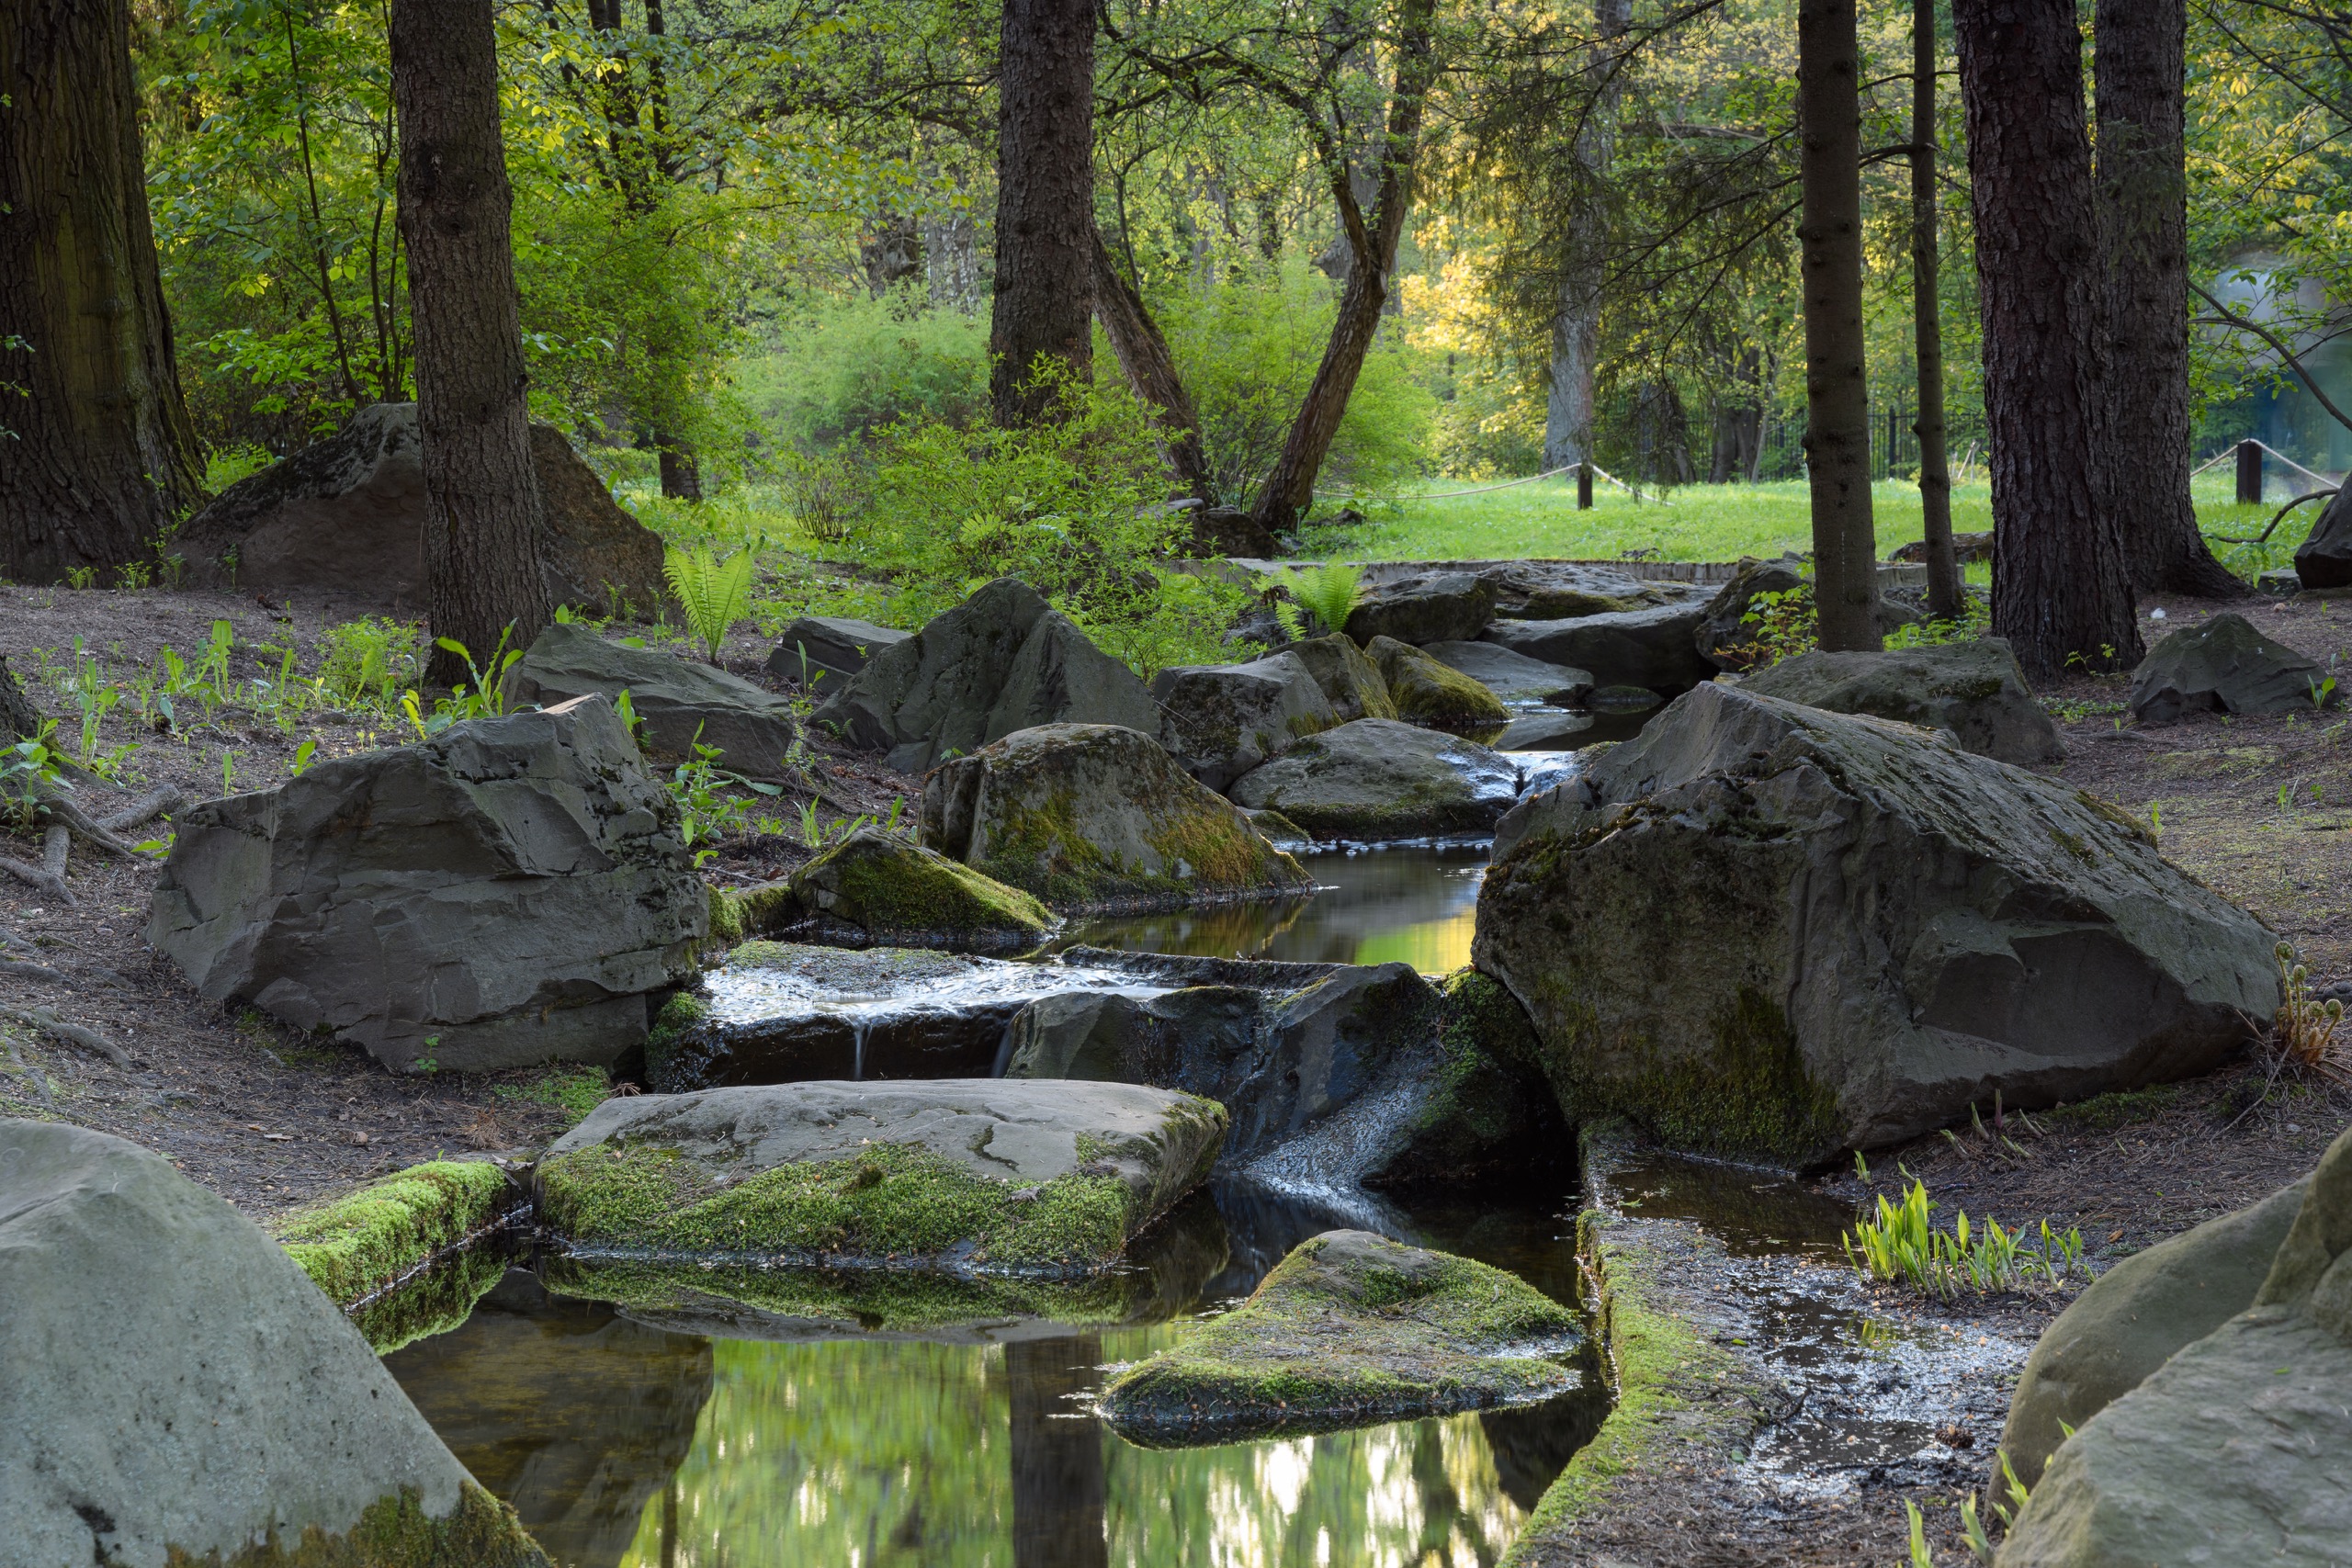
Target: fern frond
<point x="714" y="590"/>
<point x="1328" y="592"/>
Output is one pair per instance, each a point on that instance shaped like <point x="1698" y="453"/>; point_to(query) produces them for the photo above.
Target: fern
<point x="714" y="590"/>
<point x="1328" y="594"/>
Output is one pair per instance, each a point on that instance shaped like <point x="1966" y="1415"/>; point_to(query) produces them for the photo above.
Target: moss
<point x="891" y="888"/>
<point x="436" y="1301"/>
<point x="363" y="1240"/>
<point x="2120" y="1109"/>
<point x="877" y="1300"/>
<point x="678" y="1018"/>
<point x="762" y="911"/>
<point x="1349" y="1329"/>
<point x="1428" y="692"/>
<point x="394" y="1532"/>
<point x="572" y="1089"/>
<point x="1037" y="843"/>
<point x="726" y="921"/>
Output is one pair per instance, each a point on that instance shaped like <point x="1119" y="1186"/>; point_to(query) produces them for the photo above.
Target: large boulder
<point x="1513" y="677"/>
<point x="1098" y="816"/>
<point x="1974" y="689"/>
<point x="971" y="1174"/>
<point x="2134" y="1319"/>
<point x="1377" y="778"/>
<point x="1428" y="692"/>
<point x="1349" y="1329"/>
<point x="822" y="652"/>
<point x="1966" y="547"/>
<point x="1002" y="661"/>
<point x="1223" y="719"/>
<point x="880" y="889"/>
<point x="507" y="892"/>
<point x="1723" y="638"/>
<point x="1453" y="606"/>
<point x="1348" y="678"/>
<point x="679" y="703"/>
<point x="1768" y="931"/>
<point x="177" y="1390"/>
<point x="348" y="515"/>
<point x="2324" y="557"/>
<point x="2231" y="1452"/>
<point x="2224" y="665"/>
<point x="1656" y="647"/>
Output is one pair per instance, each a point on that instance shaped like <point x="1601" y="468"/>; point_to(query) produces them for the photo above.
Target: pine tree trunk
<point x="1045" y="210"/>
<point x="1289" y="490"/>
<point x="1926" y="323"/>
<point x="1838" y="431"/>
<point x="482" y="542"/>
<point x="2143" y="240"/>
<point x="2061" y="593"/>
<point x="1576" y="329"/>
<point x="101" y="454"/>
<point x="1152" y="371"/>
<point x="1059" y="1488"/>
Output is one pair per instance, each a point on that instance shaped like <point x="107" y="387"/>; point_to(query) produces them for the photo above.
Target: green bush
<point x="852" y="369"/>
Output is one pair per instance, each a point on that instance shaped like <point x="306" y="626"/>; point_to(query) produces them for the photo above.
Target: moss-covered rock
<point x="965" y="1175"/>
<point x="1485" y="1113"/>
<point x="1350" y="1328"/>
<point x="395" y="1532"/>
<point x="1347" y="676"/>
<point x="1097" y="816"/>
<point x="1428" y="692"/>
<point x="433" y="1303"/>
<point x="877" y="889"/>
<point x="364" y="1240"/>
<point x="1379" y="779"/>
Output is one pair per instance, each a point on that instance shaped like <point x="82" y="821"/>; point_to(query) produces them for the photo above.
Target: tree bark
<point x="1576" y="329"/>
<point x="1151" y="370"/>
<point x="20" y="720"/>
<point x="2061" y="593"/>
<point x="1926" y="323"/>
<point x="1837" y="432"/>
<point x="1289" y="490"/>
<point x="483" y="538"/>
<point x="101" y="455"/>
<point x="2139" y="61"/>
<point x="1045" y="213"/>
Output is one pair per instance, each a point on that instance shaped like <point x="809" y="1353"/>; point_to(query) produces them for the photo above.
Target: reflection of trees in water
<point x="1056" y="1459"/>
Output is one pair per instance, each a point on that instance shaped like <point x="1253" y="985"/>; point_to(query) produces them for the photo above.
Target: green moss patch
<point x="2120" y="1109"/>
<point x="1486" y="1111"/>
<point x="572" y="1089"/>
<point x="878" y="1301"/>
<point x="436" y="1301"/>
<point x="362" y="1241"/>
<point x="1428" y="692"/>
<point x="394" y="1532"/>
<point x="1350" y="1328"/>
<point x="893" y="889"/>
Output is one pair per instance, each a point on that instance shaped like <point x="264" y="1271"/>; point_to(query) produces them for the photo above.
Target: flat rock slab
<point x="1655" y="646"/>
<point x="1350" y="1328"/>
<point x="1513" y="677"/>
<point x="1445" y="607"/>
<point x="822" y="652"/>
<point x="1974" y="689"/>
<point x="178" y="1387"/>
<point x="975" y="1175"/>
<point x="1382" y="779"/>
<point x="682" y="703"/>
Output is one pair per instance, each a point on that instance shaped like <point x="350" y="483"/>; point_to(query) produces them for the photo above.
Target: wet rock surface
<point x="877" y="889"/>
<point x="1350" y="1327"/>
<point x="681" y="703"/>
<point x="217" y="1399"/>
<point x="1973" y="689"/>
<point x="1223" y="719"/>
<point x="510" y="890"/>
<point x="1655" y="646"/>
<point x="2224" y="665"/>
<point x="1382" y="779"/>
<point x="1764" y="930"/>
<point x="1513" y="677"/>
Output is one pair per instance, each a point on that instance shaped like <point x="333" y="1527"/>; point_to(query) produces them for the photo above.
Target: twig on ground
<point x="47" y="1021"/>
<point x="155" y="803"/>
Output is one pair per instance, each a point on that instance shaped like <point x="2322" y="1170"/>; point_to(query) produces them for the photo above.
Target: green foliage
<point x="29" y="771"/>
<point x="365" y="662"/>
<point x="714" y="590"/>
<point x="230" y="464"/>
<point x="356" y="1243"/>
<point x="842" y="371"/>
<point x="1784" y="625"/>
<point x="706" y="808"/>
<point x="2303" y="1031"/>
<point x="573" y="1090"/>
<point x="1327" y="593"/>
<point x="1901" y="1244"/>
<point x="484" y="698"/>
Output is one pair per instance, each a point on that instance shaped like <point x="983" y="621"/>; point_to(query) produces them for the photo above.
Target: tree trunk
<point x="1045" y="212"/>
<point x="2061" y="593"/>
<point x="2143" y="242"/>
<point x="97" y="455"/>
<point x="1152" y="371"/>
<point x="1837" y="429"/>
<point x="889" y="253"/>
<point x="1058" y="1491"/>
<point x="1926" y="323"/>
<point x="482" y="540"/>
<point x="1576" y="329"/>
<point x="20" y="720"/>
<point x="1289" y="490"/>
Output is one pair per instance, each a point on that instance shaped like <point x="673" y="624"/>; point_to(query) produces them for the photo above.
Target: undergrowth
<point x="1901" y="1244"/>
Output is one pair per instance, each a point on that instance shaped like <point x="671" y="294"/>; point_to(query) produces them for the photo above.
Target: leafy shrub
<point x="1901" y="1244"/>
<point x="367" y="661"/>
<point x="851" y="369"/>
<point x="230" y="464"/>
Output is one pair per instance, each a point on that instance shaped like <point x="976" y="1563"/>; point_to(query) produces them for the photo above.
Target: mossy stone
<point x="396" y="1532"/>
<point x="1428" y="692"/>
<point x="878" y="888"/>
<point x="363" y="1240"/>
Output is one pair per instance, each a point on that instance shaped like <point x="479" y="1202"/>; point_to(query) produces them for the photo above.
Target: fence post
<point x="1584" y="487"/>
<point x="2249" y="473"/>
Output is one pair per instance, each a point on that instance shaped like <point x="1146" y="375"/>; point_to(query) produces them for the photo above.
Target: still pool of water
<point x="621" y="1441"/>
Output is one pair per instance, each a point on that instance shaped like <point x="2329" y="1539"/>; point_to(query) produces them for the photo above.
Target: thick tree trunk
<point x="482" y="542"/>
<point x="1928" y="325"/>
<point x="101" y="454"/>
<point x="1045" y="210"/>
<point x="1289" y="490"/>
<point x="2060" y="594"/>
<point x="1058" y="1491"/>
<point x="1152" y="371"/>
<point x="1837" y="429"/>
<point x="2144" y="242"/>
<point x="1576" y="329"/>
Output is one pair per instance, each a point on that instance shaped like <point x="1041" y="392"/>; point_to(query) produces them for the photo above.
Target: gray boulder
<point x="1557" y="731"/>
<point x="1513" y="677"/>
<point x="1975" y="689"/>
<point x="1378" y="778"/>
<point x="1725" y="639"/>
<point x="2324" y="558"/>
<point x="1428" y="692"/>
<point x="1452" y="607"/>
<point x="1656" y="647"/>
<point x="1348" y="676"/>
<point x="2232" y="1450"/>
<point x="822" y="652"/>
<point x="1221" y="720"/>
<point x="876" y="888"/>
<point x="178" y="1389"/>
<point x="506" y="893"/>
<point x="981" y="1175"/>
<point x="1002" y="661"/>
<point x="1768" y="930"/>
<point x="678" y="702"/>
<point x="2132" y="1319"/>
<point x="2224" y="665"/>
<point x="1099" y="817"/>
<point x="348" y="515"/>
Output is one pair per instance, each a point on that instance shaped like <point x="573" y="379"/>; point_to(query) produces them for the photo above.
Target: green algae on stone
<point x="899" y="893"/>
<point x="1350" y="1328"/>
<point x="726" y="921"/>
<point x="363" y="1240"/>
<point x="434" y="1302"/>
<point x="1425" y="691"/>
<point x="395" y="1532"/>
<point x="877" y="1301"/>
